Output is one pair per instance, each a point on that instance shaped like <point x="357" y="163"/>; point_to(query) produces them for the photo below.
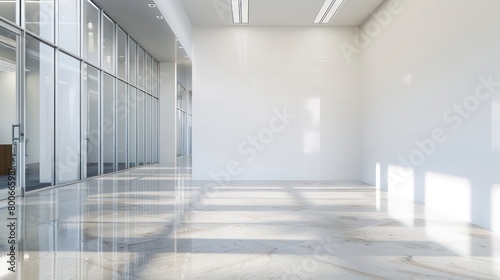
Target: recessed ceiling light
<point x="240" y="11"/>
<point x="152" y="5"/>
<point x="328" y="10"/>
<point x="159" y="17"/>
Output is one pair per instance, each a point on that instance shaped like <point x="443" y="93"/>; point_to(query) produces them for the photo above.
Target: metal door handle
<point x="14" y="138"/>
<point x="26" y="152"/>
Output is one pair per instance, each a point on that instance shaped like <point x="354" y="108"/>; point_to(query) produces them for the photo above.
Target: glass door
<point x="90" y="122"/>
<point x="39" y="114"/>
<point x="10" y="132"/>
<point x="67" y="124"/>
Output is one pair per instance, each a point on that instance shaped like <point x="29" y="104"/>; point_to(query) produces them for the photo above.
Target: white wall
<point x="430" y="120"/>
<point x="167" y="130"/>
<point x="242" y="76"/>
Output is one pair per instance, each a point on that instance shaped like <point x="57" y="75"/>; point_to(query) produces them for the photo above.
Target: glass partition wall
<point x="9" y="108"/>
<point x="183" y="121"/>
<point x="81" y="95"/>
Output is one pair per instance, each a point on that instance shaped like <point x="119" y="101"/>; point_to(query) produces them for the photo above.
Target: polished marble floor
<point x="155" y="223"/>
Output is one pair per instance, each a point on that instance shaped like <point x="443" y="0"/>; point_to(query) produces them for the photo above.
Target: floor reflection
<point x="136" y="225"/>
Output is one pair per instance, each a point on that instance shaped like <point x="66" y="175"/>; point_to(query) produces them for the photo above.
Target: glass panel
<point x="39" y="137"/>
<point x="190" y="102"/>
<point x="69" y="25"/>
<point x="184" y="133"/>
<point x="140" y="68"/>
<point x="121" y="66"/>
<point x="91" y="33"/>
<point x="121" y="125"/>
<point x="155" y="130"/>
<point x="140" y="127"/>
<point x="179" y="133"/>
<point x="190" y="134"/>
<point x="91" y="120"/>
<point x="108" y="45"/>
<point x="179" y="96"/>
<point x="68" y="120"/>
<point x="148" y="128"/>
<point x="8" y="105"/>
<point x="132" y="105"/>
<point x="155" y="78"/>
<point x="39" y="16"/>
<point x="132" y="62"/>
<point x="8" y="10"/>
<point x="184" y="99"/>
<point x="108" y="124"/>
<point x="148" y="73"/>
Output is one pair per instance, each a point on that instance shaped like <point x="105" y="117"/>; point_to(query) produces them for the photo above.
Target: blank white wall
<point x="427" y="107"/>
<point x="243" y="76"/>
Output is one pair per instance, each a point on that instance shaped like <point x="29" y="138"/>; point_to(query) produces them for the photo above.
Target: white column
<point x="168" y="95"/>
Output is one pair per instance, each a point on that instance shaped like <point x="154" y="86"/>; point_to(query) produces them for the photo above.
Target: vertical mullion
<point x="56" y="22"/>
<point x="56" y="93"/>
<point x="101" y="124"/>
<point x="20" y="94"/>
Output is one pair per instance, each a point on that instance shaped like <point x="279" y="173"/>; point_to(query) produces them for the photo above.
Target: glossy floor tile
<point x="155" y="223"/>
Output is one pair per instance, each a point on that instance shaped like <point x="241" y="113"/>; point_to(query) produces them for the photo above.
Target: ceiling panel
<point x="141" y="22"/>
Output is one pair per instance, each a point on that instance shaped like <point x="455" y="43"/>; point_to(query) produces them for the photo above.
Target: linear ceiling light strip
<point x="244" y="11"/>
<point x="240" y="11"/>
<point x="333" y="10"/>
<point x="328" y="11"/>
<point x="323" y="11"/>
<point x="235" y="5"/>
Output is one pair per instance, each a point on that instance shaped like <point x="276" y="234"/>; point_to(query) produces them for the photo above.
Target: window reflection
<point x="91" y="125"/>
<point x="132" y="105"/>
<point x="8" y="10"/>
<point x="108" y="45"/>
<point x="39" y="97"/>
<point x="68" y="120"/>
<point x="69" y="26"/>
<point x="108" y="124"/>
<point x="122" y="57"/>
<point x="91" y="33"/>
<point x="121" y="125"/>
<point x="39" y="17"/>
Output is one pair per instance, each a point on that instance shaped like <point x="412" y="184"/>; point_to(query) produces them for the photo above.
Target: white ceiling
<point x="155" y="35"/>
<point x="277" y="12"/>
<point x="139" y="20"/>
